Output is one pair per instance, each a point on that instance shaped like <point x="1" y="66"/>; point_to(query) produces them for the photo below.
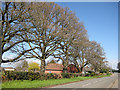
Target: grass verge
<point x="44" y="83"/>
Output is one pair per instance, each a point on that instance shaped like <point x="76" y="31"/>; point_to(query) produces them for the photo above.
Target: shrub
<point x="33" y="76"/>
<point x="92" y="74"/>
<point x="87" y="74"/>
<point x="20" y="76"/>
<point x="16" y="75"/>
<point x="43" y="76"/>
<point x="77" y="74"/>
<point x="36" y="76"/>
<point x="65" y="75"/>
<point x="50" y="76"/>
<point x="59" y="76"/>
<point x="10" y="76"/>
<point x="108" y="73"/>
<point x="69" y="75"/>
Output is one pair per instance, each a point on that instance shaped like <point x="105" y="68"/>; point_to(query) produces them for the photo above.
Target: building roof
<point x="71" y="65"/>
<point x="8" y="68"/>
<point x="87" y="68"/>
<point x="53" y="66"/>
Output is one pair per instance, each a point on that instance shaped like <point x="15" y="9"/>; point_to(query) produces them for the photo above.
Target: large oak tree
<point x="13" y="28"/>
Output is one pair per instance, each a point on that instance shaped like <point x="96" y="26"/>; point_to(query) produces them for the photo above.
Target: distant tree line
<point x="40" y="30"/>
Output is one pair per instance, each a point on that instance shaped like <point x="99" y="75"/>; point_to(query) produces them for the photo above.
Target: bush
<point x="33" y="76"/>
<point x="21" y="75"/>
<point x="77" y="74"/>
<point x="50" y="76"/>
<point x="16" y="75"/>
<point x="8" y="75"/>
<point x="87" y="74"/>
<point x="65" y="75"/>
<point x="108" y="73"/>
<point x="42" y="76"/>
<point x="59" y="76"/>
<point x="69" y="75"/>
<point x="92" y="74"/>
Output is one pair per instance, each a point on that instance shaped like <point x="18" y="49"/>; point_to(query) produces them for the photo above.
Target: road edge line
<point x="111" y="85"/>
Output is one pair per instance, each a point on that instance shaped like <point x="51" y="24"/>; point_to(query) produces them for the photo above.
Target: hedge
<point x="11" y="75"/>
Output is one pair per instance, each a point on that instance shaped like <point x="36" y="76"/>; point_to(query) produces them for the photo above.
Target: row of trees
<point x="41" y="30"/>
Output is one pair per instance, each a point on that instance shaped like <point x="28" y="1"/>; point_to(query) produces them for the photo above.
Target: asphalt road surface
<point x="105" y="82"/>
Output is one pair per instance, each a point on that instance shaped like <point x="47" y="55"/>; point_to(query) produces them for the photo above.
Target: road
<point x="105" y="82"/>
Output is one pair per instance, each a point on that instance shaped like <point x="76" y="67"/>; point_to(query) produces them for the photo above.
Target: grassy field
<point x="44" y="83"/>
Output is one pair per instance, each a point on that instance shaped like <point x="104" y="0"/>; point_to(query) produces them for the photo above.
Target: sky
<point x="101" y="21"/>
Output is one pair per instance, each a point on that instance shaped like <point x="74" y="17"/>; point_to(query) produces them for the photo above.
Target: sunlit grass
<point x="44" y="83"/>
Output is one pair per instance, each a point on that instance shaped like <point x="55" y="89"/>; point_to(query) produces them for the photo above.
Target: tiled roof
<point x="8" y="68"/>
<point x="87" y="69"/>
<point x="53" y="66"/>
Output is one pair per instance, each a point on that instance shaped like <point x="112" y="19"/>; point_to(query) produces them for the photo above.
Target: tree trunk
<point x="43" y="58"/>
<point x="95" y="69"/>
<point x="66" y="62"/>
<point x="81" y="69"/>
<point x="42" y="68"/>
<point x="77" y="65"/>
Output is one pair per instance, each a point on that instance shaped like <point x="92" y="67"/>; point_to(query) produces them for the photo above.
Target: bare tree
<point x="40" y="30"/>
<point x="78" y="52"/>
<point x="14" y="21"/>
<point x="87" y="53"/>
<point x="95" y="55"/>
<point x="71" y="30"/>
<point x="45" y="20"/>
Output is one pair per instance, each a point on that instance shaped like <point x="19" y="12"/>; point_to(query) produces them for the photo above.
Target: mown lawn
<point x="44" y="83"/>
